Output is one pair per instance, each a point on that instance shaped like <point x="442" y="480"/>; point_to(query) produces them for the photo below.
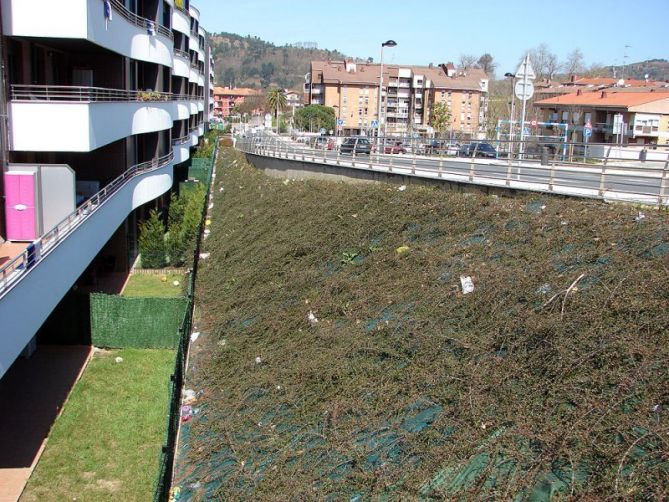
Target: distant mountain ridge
<point x="656" y="69"/>
<point x="251" y="62"/>
<point x="248" y="61"/>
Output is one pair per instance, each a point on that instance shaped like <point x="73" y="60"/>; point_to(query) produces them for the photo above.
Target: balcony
<point x="194" y="73"/>
<point x="643" y="130"/>
<point x="61" y="255"/>
<point x="82" y="119"/>
<point x="193" y="42"/>
<point x="182" y="107"/>
<point x="181" y="148"/>
<point x="181" y="61"/>
<point x="193" y="105"/>
<point x="126" y="33"/>
<point x="181" y="20"/>
<point x="194" y="136"/>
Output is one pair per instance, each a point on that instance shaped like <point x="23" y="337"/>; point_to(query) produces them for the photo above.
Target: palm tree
<point x="276" y="100"/>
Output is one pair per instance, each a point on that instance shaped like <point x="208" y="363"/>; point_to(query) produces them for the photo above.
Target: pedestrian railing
<point x="604" y="171"/>
<point x="16" y="268"/>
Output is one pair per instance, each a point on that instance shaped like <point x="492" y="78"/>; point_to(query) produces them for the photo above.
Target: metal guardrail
<point x="16" y="268"/>
<point x="140" y="21"/>
<point x="569" y="169"/>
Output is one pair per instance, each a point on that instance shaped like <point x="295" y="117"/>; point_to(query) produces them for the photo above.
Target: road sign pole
<point x="522" y="125"/>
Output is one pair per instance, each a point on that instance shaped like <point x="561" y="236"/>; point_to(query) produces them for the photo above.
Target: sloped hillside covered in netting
<point x="342" y="360"/>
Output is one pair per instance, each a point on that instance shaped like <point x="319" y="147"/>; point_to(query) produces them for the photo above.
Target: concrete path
<point x="32" y="395"/>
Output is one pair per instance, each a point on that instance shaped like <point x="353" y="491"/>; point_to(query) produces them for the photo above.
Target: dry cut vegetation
<point x="550" y="379"/>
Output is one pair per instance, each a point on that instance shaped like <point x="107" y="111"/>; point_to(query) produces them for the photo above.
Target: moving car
<point x="478" y="150"/>
<point x="356" y="145"/>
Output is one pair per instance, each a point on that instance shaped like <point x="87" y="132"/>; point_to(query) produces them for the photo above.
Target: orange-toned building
<point x="407" y="100"/>
<point x="226" y="98"/>
<point x="645" y="114"/>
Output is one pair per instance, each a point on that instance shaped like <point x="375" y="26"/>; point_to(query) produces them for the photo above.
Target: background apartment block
<point x="226" y="98"/>
<point x="408" y="96"/>
<point x="104" y="101"/>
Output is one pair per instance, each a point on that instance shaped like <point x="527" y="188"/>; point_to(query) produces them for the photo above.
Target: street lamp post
<point x="513" y="108"/>
<point x="389" y="43"/>
<point x="337" y="121"/>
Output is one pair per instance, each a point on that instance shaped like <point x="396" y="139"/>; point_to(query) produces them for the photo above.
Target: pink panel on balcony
<point x="20" y="206"/>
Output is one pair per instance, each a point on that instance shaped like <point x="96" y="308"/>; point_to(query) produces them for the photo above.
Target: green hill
<point x="548" y="380"/>
<point x="656" y="69"/>
<point x="252" y="62"/>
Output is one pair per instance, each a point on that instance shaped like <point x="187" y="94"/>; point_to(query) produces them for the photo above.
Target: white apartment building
<point x="104" y="101"/>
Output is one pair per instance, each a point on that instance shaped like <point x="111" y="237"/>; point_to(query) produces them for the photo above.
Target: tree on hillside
<point x="466" y="61"/>
<point x="266" y="73"/>
<point x="229" y="77"/>
<point x="440" y="118"/>
<point x="276" y="101"/>
<point x="487" y="64"/>
<point x="574" y="64"/>
<point x="315" y="117"/>
<point x="250" y="105"/>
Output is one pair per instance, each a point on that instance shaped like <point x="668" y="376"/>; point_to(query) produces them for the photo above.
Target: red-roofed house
<point x="645" y="114"/>
<point x="226" y="98"/>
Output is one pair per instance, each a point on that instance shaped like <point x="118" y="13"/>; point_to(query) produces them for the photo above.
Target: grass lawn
<point x="154" y="286"/>
<point x="106" y="445"/>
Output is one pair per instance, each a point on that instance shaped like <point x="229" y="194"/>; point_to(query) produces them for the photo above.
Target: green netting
<point x="121" y="322"/>
<point x="185" y="325"/>
<point x="200" y="169"/>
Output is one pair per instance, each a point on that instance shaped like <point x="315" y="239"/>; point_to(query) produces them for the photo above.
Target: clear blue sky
<point x="439" y="31"/>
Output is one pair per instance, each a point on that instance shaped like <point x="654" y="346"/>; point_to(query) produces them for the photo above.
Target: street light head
<point x="389" y="43"/>
<point x="510" y="75"/>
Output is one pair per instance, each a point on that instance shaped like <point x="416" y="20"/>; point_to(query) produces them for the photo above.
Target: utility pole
<point x="389" y="43"/>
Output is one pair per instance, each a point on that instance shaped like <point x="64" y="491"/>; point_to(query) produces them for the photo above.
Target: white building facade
<point x="118" y="92"/>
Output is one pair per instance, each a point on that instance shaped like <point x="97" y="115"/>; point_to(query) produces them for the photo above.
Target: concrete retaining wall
<point x="296" y="169"/>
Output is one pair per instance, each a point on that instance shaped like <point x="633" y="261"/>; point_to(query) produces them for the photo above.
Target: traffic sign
<point x="525" y="70"/>
<point x="587" y="132"/>
<point x="533" y="123"/>
<point x="340" y="122"/>
<point x="524" y="90"/>
<point x="375" y="124"/>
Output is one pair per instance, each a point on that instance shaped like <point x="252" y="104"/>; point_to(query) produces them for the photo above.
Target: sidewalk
<point x="32" y="394"/>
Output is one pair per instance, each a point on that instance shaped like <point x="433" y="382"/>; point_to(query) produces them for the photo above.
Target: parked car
<point x="478" y="150"/>
<point x="395" y="149"/>
<point x="356" y="145"/>
<point x="323" y="143"/>
<point x="439" y="147"/>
